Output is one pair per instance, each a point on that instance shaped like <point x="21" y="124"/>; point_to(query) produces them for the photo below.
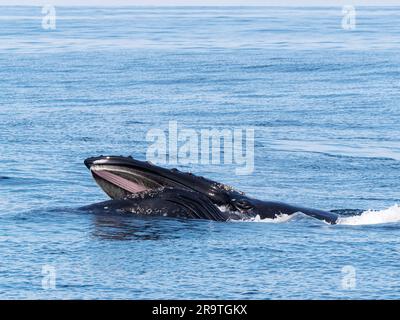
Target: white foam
<point x="389" y="215"/>
<point x="279" y="219"/>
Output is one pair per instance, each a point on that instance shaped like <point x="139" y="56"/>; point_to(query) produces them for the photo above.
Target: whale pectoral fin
<point x="326" y="216"/>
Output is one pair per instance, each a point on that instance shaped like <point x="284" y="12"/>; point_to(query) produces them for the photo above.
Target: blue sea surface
<point x="324" y="104"/>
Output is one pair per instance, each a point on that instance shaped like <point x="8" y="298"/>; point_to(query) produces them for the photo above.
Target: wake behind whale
<point x="372" y="217"/>
<point x="347" y="217"/>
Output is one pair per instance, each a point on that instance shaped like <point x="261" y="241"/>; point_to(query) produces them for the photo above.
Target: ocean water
<point x="324" y="105"/>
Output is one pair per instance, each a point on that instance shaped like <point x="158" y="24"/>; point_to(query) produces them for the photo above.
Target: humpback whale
<point x="145" y="189"/>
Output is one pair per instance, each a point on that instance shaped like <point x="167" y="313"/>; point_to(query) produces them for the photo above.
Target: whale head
<point x="120" y="177"/>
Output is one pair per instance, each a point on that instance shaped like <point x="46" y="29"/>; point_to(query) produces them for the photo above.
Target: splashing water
<point x="279" y="219"/>
<point x="369" y="217"/>
<point x="389" y="215"/>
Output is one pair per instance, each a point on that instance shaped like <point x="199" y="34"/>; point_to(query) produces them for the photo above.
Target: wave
<point x="369" y="217"/>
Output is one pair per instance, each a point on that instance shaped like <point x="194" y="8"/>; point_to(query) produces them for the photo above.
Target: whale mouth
<point x="119" y="182"/>
<point x="120" y="177"/>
